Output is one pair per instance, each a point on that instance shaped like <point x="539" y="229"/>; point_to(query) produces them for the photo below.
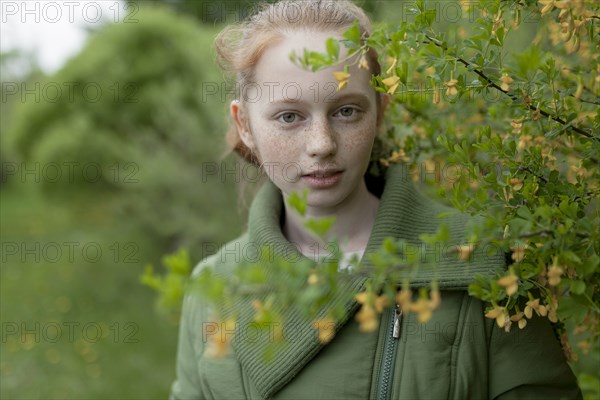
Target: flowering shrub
<point x="510" y="137"/>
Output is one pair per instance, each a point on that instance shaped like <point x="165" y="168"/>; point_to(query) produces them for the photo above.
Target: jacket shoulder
<point x="228" y="256"/>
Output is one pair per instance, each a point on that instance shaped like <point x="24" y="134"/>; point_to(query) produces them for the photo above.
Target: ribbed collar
<point x="403" y="213"/>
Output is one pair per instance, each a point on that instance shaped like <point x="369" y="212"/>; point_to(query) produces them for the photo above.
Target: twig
<point x="546" y="232"/>
<point x="512" y="96"/>
<point x="543" y="232"/>
<point x="533" y="173"/>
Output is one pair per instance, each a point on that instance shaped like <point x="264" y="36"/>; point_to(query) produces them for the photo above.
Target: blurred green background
<point x="107" y="165"/>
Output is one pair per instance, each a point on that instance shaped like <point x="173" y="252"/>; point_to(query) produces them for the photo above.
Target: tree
<point x="137" y="116"/>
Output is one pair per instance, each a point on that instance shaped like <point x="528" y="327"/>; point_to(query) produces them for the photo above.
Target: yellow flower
<point x="506" y="81"/>
<point x="404" y="299"/>
<point x="574" y="46"/>
<point x="342" y="78"/>
<point x="361" y="298"/>
<point x="563" y="14"/>
<point x="579" y="90"/>
<point x="371" y="307"/>
<point x="465" y="251"/>
<point x="522" y="322"/>
<point x="507" y="324"/>
<point x="381" y="302"/>
<point x="498" y="22"/>
<point x="510" y="282"/>
<point x="263" y="310"/>
<point x="423" y="309"/>
<point x="392" y="83"/>
<point x="325" y="328"/>
<point x="257" y="304"/>
<point x="584" y="345"/>
<point x="554" y="274"/>
<point x="367" y="319"/>
<point x="506" y="232"/>
<point x="362" y="63"/>
<point x="547" y="6"/>
<point x="391" y="68"/>
<point x="516" y="183"/>
<point x="547" y="154"/>
<point x="524" y="140"/>
<point x="437" y="95"/>
<point x="517" y="125"/>
<point x="518" y="252"/>
<point x="561" y="4"/>
<point x="534" y="305"/>
<point x="313" y="278"/>
<point x="397" y="156"/>
<point x="580" y="170"/>
<point x="499" y="314"/>
<point x="451" y="90"/>
<point x="219" y="339"/>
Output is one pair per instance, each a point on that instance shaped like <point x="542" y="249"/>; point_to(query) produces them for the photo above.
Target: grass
<point x="76" y="323"/>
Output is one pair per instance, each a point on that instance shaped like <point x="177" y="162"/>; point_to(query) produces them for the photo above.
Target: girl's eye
<point x="288" y="117"/>
<point x="346" y="111"/>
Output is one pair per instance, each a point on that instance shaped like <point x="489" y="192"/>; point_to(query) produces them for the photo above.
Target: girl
<point x="309" y="132"/>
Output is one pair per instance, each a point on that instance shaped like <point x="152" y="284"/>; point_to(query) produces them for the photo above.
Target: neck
<point x="354" y="220"/>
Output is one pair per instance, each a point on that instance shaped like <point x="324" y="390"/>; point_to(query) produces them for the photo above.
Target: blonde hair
<point x="240" y="46"/>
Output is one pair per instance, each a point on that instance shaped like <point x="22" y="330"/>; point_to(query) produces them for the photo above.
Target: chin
<point x="325" y="199"/>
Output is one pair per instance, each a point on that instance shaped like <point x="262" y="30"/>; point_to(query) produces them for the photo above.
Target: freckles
<point x="360" y="136"/>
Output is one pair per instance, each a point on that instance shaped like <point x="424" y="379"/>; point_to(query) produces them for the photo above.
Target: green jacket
<point x="457" y="354"/>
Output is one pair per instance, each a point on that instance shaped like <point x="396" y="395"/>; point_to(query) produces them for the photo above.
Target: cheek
<point x="268" y="143"/>
<point x="276" y="147"/>
<point x="359" y="140"/>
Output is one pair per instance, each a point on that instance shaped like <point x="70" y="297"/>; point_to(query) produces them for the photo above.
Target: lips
<point x="323" y="173"/>
<point x="322" y="179"/>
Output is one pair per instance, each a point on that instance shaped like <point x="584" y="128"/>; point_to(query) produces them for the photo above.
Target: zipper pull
<point x="397" y="315"/>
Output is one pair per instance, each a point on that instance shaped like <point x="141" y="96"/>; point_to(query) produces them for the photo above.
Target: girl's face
<point x="306" y="133"/>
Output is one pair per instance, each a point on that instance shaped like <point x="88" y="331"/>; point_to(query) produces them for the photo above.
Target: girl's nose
<point x="320" y="140"/>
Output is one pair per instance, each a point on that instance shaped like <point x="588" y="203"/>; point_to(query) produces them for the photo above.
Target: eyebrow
<point x="329" y="98"/>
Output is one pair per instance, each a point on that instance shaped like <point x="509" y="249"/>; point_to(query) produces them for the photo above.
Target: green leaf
<point x="389" y="246"/>
<point x="353" y="33"/>
<point x="577" y="287"/>
<point x="524" y="212"/>
<point x="481" y="195"/>
<point x="500" y="35"/>
<point x="298" y="203"/>
<point x="333" y="48"/>
<point x="148" y="278"/>
<point x="320" y="226"/>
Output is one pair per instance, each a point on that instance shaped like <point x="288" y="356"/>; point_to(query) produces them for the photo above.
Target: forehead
<point x="278" y="76"/>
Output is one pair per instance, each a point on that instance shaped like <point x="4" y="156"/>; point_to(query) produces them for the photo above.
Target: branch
<point x="543" y="233"/>
<point x="585" y="101"/>
<point x="511" y="96"/>
<point x="540" y="177"/>
<point x="547" y="232"/>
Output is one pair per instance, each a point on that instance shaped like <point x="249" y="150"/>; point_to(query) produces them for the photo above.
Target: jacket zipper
<point x="389" y="355"/>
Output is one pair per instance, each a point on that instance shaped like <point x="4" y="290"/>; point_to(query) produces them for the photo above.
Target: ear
<point x="385" y="100"/>
<point x="241" y="122"/>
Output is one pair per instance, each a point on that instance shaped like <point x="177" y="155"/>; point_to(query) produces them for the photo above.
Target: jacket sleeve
<point x="529" y="364"/>
<point x="186" y="385"/>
